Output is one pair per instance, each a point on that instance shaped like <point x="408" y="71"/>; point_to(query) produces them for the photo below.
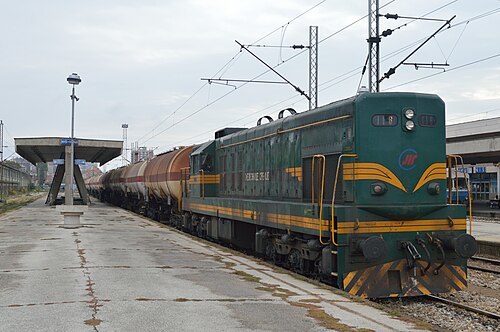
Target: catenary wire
<point x="263" y="73"/>
<point x="226" y="67"/>
<point x="354" y="72"/>
<point x="385" y="58"/>
<point x="446" y="71"/>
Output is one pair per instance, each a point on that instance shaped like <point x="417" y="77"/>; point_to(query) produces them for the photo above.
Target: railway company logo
<point x="407" y="159"/>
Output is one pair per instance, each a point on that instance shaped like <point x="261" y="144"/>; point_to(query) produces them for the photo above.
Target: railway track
<point x="484" y="260"/>
<point x="487" y="260"/>
<point x="464" y="306"/>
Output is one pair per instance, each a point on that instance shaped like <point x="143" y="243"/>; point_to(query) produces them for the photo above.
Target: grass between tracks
<point x="16" y="202"/>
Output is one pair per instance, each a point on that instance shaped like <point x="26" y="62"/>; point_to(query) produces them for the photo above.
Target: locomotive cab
<point x="400" y="238"/>
<point x="400" y="171"/>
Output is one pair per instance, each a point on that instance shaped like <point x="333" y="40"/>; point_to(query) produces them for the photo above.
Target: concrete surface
<point x="485" y="231"/>
<point x="122" y="272"/>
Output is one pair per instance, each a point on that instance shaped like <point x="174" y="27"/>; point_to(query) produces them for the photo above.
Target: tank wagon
<point x="353" y="192"/>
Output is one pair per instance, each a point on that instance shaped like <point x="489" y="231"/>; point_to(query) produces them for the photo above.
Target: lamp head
<point x="74" y="79"/>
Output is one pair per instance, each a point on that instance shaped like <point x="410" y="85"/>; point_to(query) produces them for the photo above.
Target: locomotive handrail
<point x="184" y="179"/>
<point x="466" y="184"/>
<point x="202" y="181"/>
<point x="184" y="172"/>
<point x="333" y="228"/>
<point x="320" y="199"/>
<point x="450" y="181"/>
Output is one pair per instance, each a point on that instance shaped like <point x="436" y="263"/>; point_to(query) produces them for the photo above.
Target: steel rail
<point x="464" y="306"/>
<point x="482" y="269"/>
<point x="486" y="260"/>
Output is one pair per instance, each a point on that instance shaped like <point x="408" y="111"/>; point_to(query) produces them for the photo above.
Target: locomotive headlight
<point x="433" y="188"/>
<point x="378" y="188"/>
<point x="409" y="114"/>
<point x="409" y="125"/>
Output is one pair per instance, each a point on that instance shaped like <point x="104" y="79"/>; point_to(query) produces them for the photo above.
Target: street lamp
<point x="72" y="79"/>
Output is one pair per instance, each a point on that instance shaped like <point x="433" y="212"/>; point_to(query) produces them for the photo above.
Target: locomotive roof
<point x="340" y="107"/>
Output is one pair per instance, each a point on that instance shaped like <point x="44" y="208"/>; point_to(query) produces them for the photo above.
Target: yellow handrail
<point x="449" y="180"/>
<point x="456" y="181"/>
<point x="320" y="199"/>
<point x="333" y="230"/>
<point x="202" y="180"/>
<point x="468" y="188"/>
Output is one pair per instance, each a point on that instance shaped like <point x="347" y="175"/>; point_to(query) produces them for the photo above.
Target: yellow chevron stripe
<point x="348" y="278"/>
<point x="451" y="276"/>
<point x="460" y="271"/>
<point x="360" y="282"/>
<point x="374" y="278"/>
<point x="435" y="171"/>
<point x="371" y="171"/>
<point x="423" y="289"/>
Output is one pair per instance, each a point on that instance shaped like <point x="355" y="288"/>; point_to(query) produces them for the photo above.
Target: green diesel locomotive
<point x="353" y="192"/>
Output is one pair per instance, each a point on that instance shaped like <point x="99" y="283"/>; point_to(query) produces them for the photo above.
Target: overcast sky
<point x="141" y="62"/>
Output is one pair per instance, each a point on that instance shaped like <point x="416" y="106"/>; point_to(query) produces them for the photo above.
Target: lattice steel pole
<point x="124" y="152"/>
<point x="313" y="67"/>
<point x="373" y="45"/>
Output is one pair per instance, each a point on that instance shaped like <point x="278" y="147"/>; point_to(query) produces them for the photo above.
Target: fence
<point x="12" y="181"/>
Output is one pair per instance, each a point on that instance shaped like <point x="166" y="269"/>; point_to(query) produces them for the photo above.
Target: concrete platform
<point x="487" y="235"/>
<point x="122" y="272"/>
<point x="486" y="228"/>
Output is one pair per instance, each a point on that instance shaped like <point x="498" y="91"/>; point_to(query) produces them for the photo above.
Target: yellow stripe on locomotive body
<point x="204" y="179"/>
<point x="295" y="172"/>
<point x="344" y="227"/>
<point x="435" y="171"/>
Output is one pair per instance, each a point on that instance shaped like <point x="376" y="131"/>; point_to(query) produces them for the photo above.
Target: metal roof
<point x="46" y="149"/>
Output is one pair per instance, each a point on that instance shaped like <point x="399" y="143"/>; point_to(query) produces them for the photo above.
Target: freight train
<point x="353" y="192"/>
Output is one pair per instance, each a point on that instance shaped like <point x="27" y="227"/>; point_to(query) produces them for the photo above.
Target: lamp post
<point x="72" y="79"/>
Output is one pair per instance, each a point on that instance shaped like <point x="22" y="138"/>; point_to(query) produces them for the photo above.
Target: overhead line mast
<point x="373" y="46"/>
<point x="313" y="67"/>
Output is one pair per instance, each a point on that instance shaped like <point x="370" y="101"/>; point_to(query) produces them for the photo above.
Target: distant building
<point x="88" y="170"/>
<point x="25" y="166"/>
<point x="140" y="154"/>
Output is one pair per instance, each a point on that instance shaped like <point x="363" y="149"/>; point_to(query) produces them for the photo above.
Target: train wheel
<point x="295" y="261"/>
<point x="271" y="253"/>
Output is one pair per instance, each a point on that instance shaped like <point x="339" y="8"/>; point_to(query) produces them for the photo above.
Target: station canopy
<point x="48" y="149"/>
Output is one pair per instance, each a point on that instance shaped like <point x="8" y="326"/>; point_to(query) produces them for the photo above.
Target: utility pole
<point x="373" y="46"/>
<point x="313" y="67"/>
